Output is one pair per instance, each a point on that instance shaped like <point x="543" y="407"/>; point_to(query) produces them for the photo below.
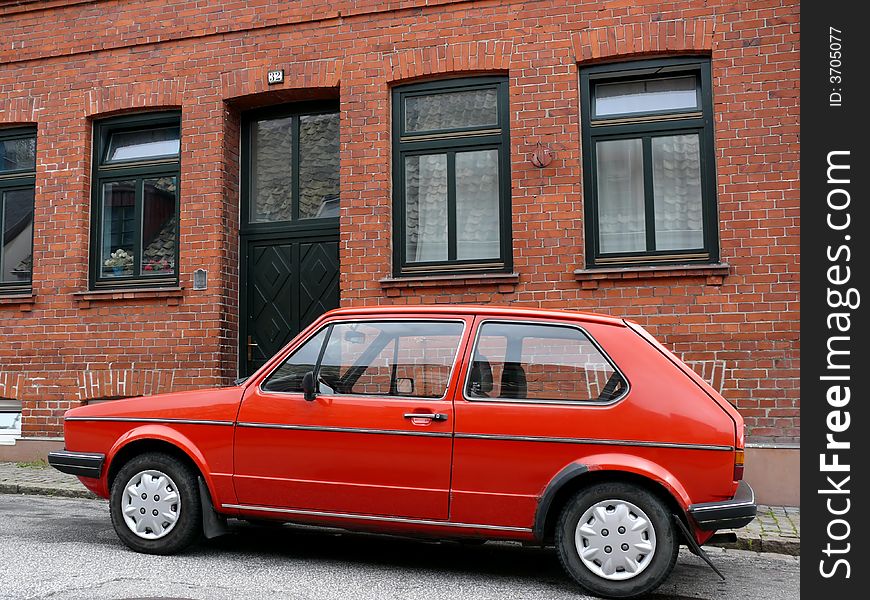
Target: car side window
<point x="390" y="358"/>
<point x="288" y="376"/>
<point x="555" y="363"/>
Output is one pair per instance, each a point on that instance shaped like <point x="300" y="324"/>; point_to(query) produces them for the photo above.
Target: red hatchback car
<point x="444" y="421"/>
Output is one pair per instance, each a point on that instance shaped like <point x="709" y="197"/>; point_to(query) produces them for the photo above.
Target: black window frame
<point x="19" y="179"/>
<point x="294" y="111"/>
<point x="124" y="170"/>
<point x="646" y="126"/>
<point x="449" y="142"/>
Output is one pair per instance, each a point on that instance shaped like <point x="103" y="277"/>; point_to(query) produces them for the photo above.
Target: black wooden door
<point x="288" y="284"/>
<point x="289" y="225"/>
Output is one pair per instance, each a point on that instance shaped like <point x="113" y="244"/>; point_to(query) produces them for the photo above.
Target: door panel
<point x="357" y="447"/>
<point x="289" y="283"/>
<point x="318" y="280"/>
<point x="346" y="455"/>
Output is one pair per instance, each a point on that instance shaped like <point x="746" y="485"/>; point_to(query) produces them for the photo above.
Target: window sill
<point x="24" y="302"/>
<point x="714" y="273"/>
<point x="506" y="282"/>
<point x="172" y="295"/>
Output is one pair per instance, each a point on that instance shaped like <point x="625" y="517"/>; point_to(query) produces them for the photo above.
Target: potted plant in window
<point x="158" y="266"/>
<point x="118" y="261"/>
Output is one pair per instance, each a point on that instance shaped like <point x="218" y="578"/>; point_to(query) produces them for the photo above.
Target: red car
<point x="444" y="421"/>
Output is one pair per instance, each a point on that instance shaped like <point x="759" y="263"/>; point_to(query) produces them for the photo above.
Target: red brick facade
<point x="67" y="62"/>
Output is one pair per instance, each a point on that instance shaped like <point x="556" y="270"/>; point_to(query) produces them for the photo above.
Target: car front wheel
<point x="616" y="540"/>
<point x="155" y="504"/>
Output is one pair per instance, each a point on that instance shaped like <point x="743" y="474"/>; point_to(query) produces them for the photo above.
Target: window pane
<point x="652" y="95"/>
<point x="16" y="253"/>
<point x="119" y="228"/>
<point x="18" y="154"/>
<point x="272" y="170"/>
<point x="426" y="207"/>
<point x="10" y="422"/>
<point x="318" y="166"/>
<point x="679" y="218"/>
<point x="540" y="362"/>
<point x="619" y="171"/>
<point x="477" y="205"/>
<point x="390" y="358"/>
<point x="144" y="143"/>
<point x="159" y="225"/>
<point x="452" y="110"/>
<point x="288" y="377"/>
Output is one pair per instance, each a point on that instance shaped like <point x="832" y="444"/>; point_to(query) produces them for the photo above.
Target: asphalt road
<point x="58" y="548"/>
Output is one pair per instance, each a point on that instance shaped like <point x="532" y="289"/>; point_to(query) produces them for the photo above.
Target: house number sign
<point x="276" y="76"/>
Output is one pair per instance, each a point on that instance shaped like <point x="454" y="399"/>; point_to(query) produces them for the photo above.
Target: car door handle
<point x="433" y="416"/>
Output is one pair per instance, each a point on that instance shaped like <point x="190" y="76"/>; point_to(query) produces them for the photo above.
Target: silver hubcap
<point x="615" y="539"/>
<point x="151" y="504"/>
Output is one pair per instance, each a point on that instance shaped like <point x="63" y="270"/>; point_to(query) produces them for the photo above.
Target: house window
<point x="649" y="163"/>
<point x="17" y="180"/>
<point x="293" y="158"/>
<point x="134" y="239"/>
<point x="451" y="180"/>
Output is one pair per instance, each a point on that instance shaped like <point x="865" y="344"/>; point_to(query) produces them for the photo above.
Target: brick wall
<point x="210" y="60"/>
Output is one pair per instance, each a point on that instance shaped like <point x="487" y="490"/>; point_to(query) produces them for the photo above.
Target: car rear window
<point x="540" y="363"/>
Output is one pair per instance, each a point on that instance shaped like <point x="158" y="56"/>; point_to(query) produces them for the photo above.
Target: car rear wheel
<point x="616" y="540"/>
<point x="155" y="505"/>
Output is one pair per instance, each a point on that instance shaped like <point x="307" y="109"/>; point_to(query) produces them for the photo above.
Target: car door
<point x="534" y="391"/>
<point x="376" y="439"/>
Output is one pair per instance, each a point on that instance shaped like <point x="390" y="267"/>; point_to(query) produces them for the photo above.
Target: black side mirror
<point x="308" y="390"/>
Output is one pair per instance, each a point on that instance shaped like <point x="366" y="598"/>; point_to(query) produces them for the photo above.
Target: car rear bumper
<point x="726" y="514"/>
<point x="81" y="464"/>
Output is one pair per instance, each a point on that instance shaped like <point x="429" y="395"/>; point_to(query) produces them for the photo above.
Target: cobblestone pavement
<point x="776" y="529"/>
<point x="39" y="478"/>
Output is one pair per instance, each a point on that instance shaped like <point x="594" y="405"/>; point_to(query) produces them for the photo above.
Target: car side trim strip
<point x="317" y="513"/>
<point x="151" y="420"/>
<point x="472" y="436"/>
<point x="442" y="434"/>
<point x="592" y="441"/>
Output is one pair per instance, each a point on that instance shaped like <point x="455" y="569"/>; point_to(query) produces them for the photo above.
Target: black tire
<point x="187" y="528"/>
<point x="660" y="563"/>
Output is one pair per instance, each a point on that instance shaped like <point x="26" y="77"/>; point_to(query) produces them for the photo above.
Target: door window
<point x="288" y="377"/>
<point x="375" y="358"/>
<point x="540" y="363"/>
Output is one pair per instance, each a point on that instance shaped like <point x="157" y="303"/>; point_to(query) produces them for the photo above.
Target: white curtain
<point x="426" y="207"/>
<point x="677" y="192"/>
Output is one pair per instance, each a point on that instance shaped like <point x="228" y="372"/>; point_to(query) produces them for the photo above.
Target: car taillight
<point x="738" y="464"/>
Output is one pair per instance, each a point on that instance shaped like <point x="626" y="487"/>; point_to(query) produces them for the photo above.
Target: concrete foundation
<point x="30" y="449"/>
<point x="774" y="473"/>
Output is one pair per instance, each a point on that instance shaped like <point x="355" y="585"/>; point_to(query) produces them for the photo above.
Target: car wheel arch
<point x="578" y="475"/>
<point x="156" y="439"/>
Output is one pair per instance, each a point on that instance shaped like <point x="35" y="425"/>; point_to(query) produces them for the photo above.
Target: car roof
<point x="475" y="309"/>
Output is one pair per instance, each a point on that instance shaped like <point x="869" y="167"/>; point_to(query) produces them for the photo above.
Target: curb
<point x="772" y="545"/>
<point x="14" y="488"/>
